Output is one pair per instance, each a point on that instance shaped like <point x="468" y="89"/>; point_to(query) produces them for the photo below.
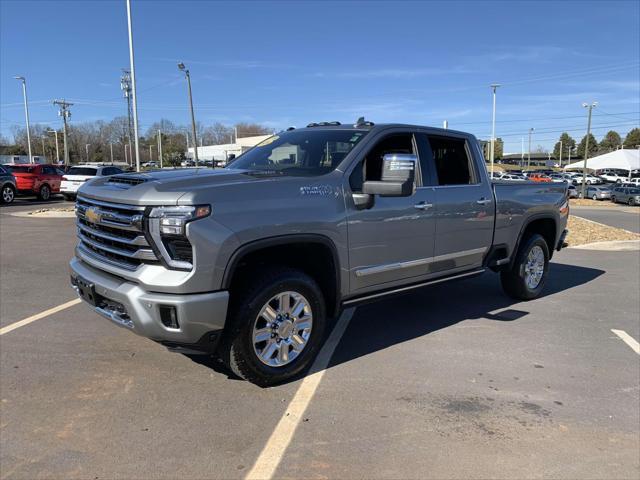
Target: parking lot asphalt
<point x="624" y="217"/>
<point x="455" y="381"/>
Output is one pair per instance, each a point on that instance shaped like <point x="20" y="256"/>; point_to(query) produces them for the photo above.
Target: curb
<point x="612" y="246"/>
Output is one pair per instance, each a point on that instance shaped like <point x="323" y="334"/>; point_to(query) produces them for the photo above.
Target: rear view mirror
<point x="397" y="178"/>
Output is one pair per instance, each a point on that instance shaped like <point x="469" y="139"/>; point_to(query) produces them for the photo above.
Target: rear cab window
<point x="451" y="160"/>
<point x="86" y="171"/>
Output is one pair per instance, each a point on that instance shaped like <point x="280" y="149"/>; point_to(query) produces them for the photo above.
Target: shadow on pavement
<point x="380" y="325"/>
<point x="386" y="323"/>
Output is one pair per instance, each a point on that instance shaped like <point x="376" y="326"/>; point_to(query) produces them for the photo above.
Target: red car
<point x="539" y="177"/>
<point x="40" y="180"/>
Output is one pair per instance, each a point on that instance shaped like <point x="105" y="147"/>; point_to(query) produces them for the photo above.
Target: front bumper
<point x="67" y="186"/>
<point x="200" y="316"/>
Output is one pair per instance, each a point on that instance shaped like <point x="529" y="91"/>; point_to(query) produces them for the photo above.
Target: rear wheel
<point x="594" y="197"/>
<point x="613" y="199"/>
<point x="631" y="202"/>
<point x="276" y="327"/>
<point x="68" y="197"/>
<point x="44" y="193"/>
<point x="525" y="280"/>
<point x="8" y="194"/>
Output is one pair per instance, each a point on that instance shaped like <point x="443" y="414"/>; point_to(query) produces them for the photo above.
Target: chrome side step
<point x="394" y="291"/>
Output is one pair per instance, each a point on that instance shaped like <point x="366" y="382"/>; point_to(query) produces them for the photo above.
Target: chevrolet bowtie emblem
<point x="93" y="215"/>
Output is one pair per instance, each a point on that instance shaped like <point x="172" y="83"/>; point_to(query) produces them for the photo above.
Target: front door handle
<point x="483" y="201"/>
<point x="423" y="206"/>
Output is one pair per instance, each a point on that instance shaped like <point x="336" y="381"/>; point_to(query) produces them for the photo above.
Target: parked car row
<point x="44" y="180"/>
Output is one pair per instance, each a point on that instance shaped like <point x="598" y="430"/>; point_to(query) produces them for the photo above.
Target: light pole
<point x="586" y="148"/>
<point x="65" y="113"/>
<point x="57" y="150"/>
<point x="111" y="149"/>
<point x="86" y="148"/>
<point x="493" y="86"/>
<point x="181" y="67"/>
<point x="133" y="86"/>
<point x="560" y="153"/>
<point x="150" y="153"/>
<point x="529" y="151"/>
<point x="26" y="113"/>
<point x="44" y="154"/>
<point x="160" y="147"/>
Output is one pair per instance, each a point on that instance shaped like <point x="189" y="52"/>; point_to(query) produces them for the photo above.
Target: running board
<point x="375" y="296"/>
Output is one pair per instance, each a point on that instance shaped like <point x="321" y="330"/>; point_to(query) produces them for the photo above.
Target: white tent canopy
<point x="623" y="159"/>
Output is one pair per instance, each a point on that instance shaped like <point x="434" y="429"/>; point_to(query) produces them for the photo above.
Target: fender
<point x="255" y="245"/>
<point x="531" y="219"/>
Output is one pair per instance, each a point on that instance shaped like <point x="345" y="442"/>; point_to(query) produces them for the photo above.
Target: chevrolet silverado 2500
<point x="248" y="262"/>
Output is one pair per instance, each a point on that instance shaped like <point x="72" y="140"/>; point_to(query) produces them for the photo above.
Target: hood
<point x="165" y="187"/>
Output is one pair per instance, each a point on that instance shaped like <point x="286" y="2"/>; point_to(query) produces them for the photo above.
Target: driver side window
<point x="370" y="168"/>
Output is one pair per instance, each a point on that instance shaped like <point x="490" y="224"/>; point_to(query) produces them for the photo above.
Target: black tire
<point x="69" y="197"/>
<point x="44" y="193"/>
<point x="513" y="280"/>
<point x="237" y="348"/>
<point x="594" y="197"/>
<point x="631" y="202"/>
<point x="613" y="199"/>
<point x="8" y="194"/>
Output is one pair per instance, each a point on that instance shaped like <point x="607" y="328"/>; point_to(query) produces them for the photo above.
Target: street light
<point x="529" y="151"/>
<point x="26" y="113"/>
<point x="586" y="148"/>
<point x="493" y="86"/>
<point x="182" y="68"/>
<point x="57" y="150"/>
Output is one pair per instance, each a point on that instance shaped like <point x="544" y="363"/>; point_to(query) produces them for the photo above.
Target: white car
<point x="613" y="177"/>
<point x="589" y="180"/>
<point x="513" y="178"/>
<point x="77" y="175"/>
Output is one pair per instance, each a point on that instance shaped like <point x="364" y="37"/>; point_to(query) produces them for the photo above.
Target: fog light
<point x="169" y="316"/>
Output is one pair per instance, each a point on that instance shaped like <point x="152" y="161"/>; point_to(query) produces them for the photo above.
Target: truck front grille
<point x="113" y="233"/>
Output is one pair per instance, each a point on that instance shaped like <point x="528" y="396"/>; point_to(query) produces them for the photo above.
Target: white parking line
<point x="628" y="339"/>
<point x="272" y="453"/>
<point x="38" y="316"/>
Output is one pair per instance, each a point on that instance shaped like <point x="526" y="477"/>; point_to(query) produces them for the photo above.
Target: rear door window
<point x="452" y="163"/>
<point x="82" y="171"/>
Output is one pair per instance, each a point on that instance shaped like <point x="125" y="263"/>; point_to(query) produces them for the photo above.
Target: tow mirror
<point x="398" y="178"/>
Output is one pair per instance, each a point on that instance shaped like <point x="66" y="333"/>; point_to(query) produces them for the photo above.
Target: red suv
<point x="40" y="180"/>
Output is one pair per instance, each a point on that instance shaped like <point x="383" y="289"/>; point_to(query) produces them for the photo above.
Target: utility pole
<point x="111" y="149"/>
<point x="44" y="154"/>
<point x="522" y="152"/>
<point x="493" y="86"/>
<point x="57" y="150"/>
<point x="126" y="157"/>
<point x="586" y="148"/>
<point x="133" y="86"/>
<point x="65" y="113"/>
<point x="529" y="152"/>
<point x="150" y="153"/>
<point x="26" y="114"/>
<point x="86" y="148"/>
<point x="560" y="153"/>
<point x="125" y="86"/>
<point x="160" y="147"/>
<point x="181" y="67"/>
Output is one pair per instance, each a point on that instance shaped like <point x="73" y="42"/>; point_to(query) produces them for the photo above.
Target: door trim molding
<point x="388" y="267"/>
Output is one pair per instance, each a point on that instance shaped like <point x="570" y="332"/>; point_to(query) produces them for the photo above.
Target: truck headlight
<point x="167" y="227"/>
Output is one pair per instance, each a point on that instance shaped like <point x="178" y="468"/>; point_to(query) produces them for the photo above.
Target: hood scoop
<point x="127" y="180"/>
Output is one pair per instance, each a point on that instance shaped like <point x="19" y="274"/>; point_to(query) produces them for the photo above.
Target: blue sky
<point x="290" y="63"/>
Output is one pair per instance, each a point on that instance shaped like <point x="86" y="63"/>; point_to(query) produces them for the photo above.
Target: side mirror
<point x="398" y="177"/>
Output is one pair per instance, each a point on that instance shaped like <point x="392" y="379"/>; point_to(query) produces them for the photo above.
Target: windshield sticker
<point x="320" y="190"/>
<point x="401" y="165"/>
<point x="268" y="141"/>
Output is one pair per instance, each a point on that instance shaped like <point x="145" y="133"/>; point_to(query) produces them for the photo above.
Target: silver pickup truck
<point x="249" y="262"/>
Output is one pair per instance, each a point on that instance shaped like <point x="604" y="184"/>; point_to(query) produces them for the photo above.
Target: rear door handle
<point x="483" y="201"/>
<point x="423" y="206"/>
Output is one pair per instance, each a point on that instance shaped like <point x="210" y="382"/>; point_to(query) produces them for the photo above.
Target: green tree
<point x="632" y="140"/>
<point x="593" y="146"/>
<point x="610" y="142"/>
<point x="568" y="145"/>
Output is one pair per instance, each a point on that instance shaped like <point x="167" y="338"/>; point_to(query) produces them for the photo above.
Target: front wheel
<point x="44" y="193"/>
<point x="594" y="197"/>
<point x="276" y="327"/>
<point x="631" y="202"/>
<point x="525" y="280"/>
<point x="8" y="194"/>
<point x="613" y="199"/>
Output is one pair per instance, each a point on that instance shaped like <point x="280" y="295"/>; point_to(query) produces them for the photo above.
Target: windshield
<point x="300" y="153"/>
<point x="82" y="171"/>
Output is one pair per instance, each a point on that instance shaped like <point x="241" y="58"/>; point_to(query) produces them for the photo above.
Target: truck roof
<point x="369" y="126"/>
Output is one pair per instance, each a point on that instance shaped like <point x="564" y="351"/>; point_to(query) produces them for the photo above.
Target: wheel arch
<point x="543" y="224"/>
<point x="314" y="254"/>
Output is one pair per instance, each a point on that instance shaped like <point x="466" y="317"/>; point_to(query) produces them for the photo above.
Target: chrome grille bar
<point x="113" y="233"/>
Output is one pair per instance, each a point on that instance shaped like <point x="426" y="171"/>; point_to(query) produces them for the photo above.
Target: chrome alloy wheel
<point x="7" y="194"/>
<point x="282" y="329"/>
<point x="534" y="268"/>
